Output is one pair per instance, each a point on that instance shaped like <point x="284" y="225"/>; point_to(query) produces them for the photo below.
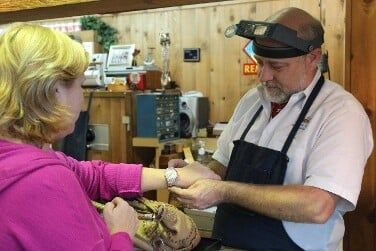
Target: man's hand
<point x="120" y="217"/>
<point x="189" y="174"/>
<point x="202" y="194"/>
<point x="177" y="163"/>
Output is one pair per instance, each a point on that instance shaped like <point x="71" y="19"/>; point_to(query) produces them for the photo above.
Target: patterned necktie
<point x="276" y="108"/>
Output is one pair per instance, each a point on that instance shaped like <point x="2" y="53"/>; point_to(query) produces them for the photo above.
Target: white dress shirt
<point x="329" y="151"/>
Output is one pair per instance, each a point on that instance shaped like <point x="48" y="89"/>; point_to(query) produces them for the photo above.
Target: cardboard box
<point x="86" y="36"/>
<point x="89" y="39"/>
<point x="204" y="219"/>
<point x="92" y="47"/>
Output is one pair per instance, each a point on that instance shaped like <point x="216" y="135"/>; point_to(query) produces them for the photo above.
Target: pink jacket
<point x="45" y="200"/>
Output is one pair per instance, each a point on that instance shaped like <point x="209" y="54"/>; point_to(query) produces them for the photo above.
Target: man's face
<point x="282" y="77"/>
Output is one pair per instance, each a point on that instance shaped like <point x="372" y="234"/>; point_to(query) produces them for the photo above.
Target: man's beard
<point x="275" y="94"/>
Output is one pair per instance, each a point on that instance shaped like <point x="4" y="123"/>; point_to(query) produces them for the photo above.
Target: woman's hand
<point x="120" y="217"/>
<point x="190" y="173"/>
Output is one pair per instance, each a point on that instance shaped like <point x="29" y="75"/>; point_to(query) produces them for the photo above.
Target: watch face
<point x="171" y="175"/>
<point x="134" y="77"/>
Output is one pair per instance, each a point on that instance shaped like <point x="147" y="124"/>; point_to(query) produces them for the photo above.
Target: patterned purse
<point x="162" y="226"/>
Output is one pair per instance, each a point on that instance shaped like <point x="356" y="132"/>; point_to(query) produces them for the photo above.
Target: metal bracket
<point x="100" y="141"/>
<point x="126" y="120"/>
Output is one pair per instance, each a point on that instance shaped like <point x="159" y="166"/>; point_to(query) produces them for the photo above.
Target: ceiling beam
<point x="89" y="8"/>
<point x="11" y="5"/>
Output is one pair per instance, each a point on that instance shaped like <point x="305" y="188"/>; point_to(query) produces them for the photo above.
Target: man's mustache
<point x="270" y="84"/>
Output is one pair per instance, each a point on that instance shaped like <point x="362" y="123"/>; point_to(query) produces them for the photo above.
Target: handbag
<point x="162" y="226"/>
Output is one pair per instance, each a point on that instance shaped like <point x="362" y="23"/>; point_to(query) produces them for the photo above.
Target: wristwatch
<point x="171" y="176"/>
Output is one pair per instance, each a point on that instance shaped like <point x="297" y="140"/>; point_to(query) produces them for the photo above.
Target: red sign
<point x="250" y="68"/>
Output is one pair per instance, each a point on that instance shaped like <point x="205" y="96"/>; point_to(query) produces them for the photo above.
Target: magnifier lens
<point x="260" y="30"/>
<point x="230" y="31"/>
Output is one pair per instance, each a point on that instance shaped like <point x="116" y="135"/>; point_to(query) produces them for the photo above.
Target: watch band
<point x="171" y="176"/>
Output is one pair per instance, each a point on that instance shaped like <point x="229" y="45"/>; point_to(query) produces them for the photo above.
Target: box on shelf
<point x="89" y="40"/>
<point x="204" y="219"/>
<point x="86" y="35"/>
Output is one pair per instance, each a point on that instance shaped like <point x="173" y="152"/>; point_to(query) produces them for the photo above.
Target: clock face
<point x="134" y="77"/>
<point x="149" y="60"/>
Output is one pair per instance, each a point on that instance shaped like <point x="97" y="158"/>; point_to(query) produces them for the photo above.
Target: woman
<point x="44" y="195"/>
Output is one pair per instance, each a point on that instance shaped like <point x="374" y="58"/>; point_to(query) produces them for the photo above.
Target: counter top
<point x="102" y="93"/>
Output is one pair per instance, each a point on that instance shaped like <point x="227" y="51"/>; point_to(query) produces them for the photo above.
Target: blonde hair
<point x="32" y="60"/>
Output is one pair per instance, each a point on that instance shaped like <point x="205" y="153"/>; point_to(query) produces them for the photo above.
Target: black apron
<point x="241" y="228"/>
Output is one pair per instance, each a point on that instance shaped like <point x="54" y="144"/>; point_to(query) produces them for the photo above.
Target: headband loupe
<point x="253" y="30"/>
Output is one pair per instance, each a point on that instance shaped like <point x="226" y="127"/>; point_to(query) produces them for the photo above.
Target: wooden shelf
<point x="146" y="142"/>
<point x="162" y="194"/>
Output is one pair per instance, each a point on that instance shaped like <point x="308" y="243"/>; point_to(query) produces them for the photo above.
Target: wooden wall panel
<point x="361" y="224"/>
<point x="203" y="72"/>
<point x="219" y="73"/>
<point x="334" y="20"/>
<point x="218" y="64"/>
<point x="231" y="63"/>
<point x="187" y="36"/>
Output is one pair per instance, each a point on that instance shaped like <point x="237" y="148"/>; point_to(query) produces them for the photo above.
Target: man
<point x="292" y="155"/>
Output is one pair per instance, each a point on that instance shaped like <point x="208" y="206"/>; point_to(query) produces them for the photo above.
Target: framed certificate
<point x="120" y="56"/>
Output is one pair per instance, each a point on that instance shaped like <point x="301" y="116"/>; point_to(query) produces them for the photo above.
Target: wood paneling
<point x="361" y="225"/>
<point x="219" y="73"/>
<point x="334" y="19"/>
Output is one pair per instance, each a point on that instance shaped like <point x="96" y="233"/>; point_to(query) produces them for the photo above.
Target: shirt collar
<point x="309" y="88"/>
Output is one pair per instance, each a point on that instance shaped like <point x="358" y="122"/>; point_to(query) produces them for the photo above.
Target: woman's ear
<point x="58" y="89"/>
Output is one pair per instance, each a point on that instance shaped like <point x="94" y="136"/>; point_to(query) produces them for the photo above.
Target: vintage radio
<point x="94" y="74"/>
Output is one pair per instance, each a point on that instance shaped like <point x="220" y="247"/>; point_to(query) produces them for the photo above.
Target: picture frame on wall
<point x="120" y="56"/>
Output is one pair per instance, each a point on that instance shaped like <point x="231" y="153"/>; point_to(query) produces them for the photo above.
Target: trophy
<point x="165" y="43"/>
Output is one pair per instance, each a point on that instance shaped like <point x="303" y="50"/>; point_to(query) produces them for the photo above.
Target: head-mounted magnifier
<point x="254" y="30"/>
